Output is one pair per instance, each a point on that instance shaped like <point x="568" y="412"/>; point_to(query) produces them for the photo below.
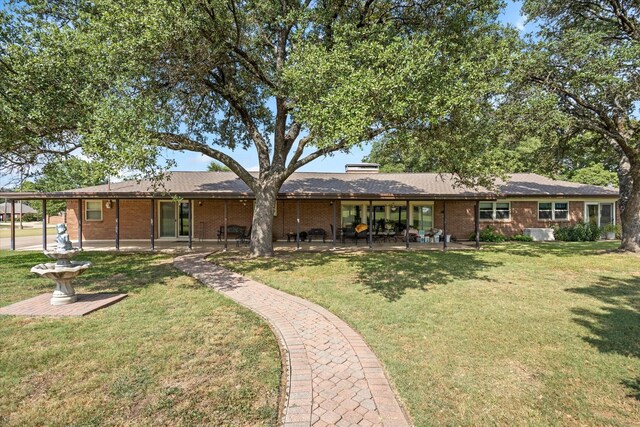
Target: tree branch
<point x="179" y="142"/>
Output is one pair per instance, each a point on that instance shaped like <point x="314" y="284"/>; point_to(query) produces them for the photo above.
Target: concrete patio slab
<point x="41" y="306"/>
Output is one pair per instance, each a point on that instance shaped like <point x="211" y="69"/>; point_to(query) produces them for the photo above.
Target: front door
<point x="174" y="219"/>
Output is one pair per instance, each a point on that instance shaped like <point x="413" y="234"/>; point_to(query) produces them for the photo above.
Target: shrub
<point x="577" y="233"/>
<point x="29" y="217"/>
<point x="489" y="234"/>
<point x="521" y="238"/>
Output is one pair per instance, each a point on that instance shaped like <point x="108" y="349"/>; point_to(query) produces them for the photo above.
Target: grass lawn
<point x="172" y="353"/>
<point x="515" y="334"/>
<point x="5" y="231"/>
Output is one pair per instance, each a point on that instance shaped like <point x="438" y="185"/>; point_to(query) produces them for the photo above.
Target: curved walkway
<point x="333" y="378"/>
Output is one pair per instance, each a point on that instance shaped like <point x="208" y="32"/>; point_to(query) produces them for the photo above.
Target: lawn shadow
<point x="615" y="328"/>
<point x="559" y="249"/>
<point x="392" y="274"/>
<point x="389" y="274"/>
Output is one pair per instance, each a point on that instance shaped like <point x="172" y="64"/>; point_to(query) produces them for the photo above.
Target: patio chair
<point x="244" y="237"/>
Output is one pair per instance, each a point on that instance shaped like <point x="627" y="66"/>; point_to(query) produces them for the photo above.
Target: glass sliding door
<point x="422" y="217"/>
<point x="167" y="214"/>
<point x="592" y="214"/>
<point x="606" y="214"/>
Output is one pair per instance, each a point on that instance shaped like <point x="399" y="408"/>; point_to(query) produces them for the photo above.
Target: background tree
<point x="217" y="167"/>
<point x="63" y="175"/>
<point x="294" y="80"/>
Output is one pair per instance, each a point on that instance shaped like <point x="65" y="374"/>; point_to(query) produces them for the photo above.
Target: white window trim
<point x="86" y="211"/>
<point x="493" y="212"/>
<point x="598" y="203"/>
<point x="553" y="210"/>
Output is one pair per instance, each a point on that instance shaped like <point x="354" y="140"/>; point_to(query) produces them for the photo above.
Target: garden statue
<point x="62" y="241"/>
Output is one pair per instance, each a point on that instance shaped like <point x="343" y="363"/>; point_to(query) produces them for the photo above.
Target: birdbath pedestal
<point x="63" y="272"/>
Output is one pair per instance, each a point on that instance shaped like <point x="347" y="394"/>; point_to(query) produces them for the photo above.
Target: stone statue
<point x="62" y="241"/>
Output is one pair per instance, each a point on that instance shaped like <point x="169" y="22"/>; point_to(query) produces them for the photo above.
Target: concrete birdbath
<point x="63" y="271"/>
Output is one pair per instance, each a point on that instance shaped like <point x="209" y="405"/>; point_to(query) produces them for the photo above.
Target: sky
<point x="189" y="161"/>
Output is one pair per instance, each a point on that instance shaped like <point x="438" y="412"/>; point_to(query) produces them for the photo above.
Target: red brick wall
<point x="209" y="216"/>
<point x="313" y="214"/>
<point x="134" y="221"/>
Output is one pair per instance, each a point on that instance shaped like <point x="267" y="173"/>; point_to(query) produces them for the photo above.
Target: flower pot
<point x="611" y="235"/>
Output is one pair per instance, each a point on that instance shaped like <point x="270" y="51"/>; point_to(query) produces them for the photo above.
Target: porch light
<point x="108" y="204"/>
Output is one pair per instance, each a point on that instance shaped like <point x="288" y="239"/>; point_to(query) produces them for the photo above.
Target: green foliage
<point x="582" y="232"/>
<point x="521" y="238"/>
<point x="489" y="234"/>
<point x="217" y="167"/>
<point x="594" y="174"/>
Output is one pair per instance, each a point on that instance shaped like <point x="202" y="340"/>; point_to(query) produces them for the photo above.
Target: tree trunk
<point x="629" y="175"/>
<point x="262" y="227"/>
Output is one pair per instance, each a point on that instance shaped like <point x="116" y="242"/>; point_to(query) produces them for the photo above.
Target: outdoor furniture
<point x="292" y="235"/>
<point x="317" y="232"/>
<point x="233" y="232"/>
<point x="244" y="238"/>
<point x="351" y="233"/>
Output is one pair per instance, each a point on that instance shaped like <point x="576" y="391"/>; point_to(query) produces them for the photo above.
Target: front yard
<point x="172" y="353"/>
<point x="516" y="334"/>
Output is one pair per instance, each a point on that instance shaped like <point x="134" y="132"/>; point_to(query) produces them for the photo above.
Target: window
<point x="93" y="210"/>
<point x="495" y="211"/>
<point x="422" y="217"/>
<point x="555" y="211"/>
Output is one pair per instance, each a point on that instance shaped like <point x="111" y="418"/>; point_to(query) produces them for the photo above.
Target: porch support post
<point x="117" y="224"/>
<point x="190" y="224"/>
<point x="335" y="202"/>
<point x="370" y="224"/>
<point x="298" y="223"/>
<point x="13" y="225"/>
<point x="444" y="226"/>
<point x="153" y="224"/>
<point x="80" y="216"/>
<point x="44" y="224"/>
<point x="406" y="230"/>
<point x="226" y="202"/>
<point x="477" y="224"/>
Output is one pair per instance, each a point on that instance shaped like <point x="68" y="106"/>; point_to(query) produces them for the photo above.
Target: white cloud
<point x="253" y="169"/>
<point x="521" y="22"/>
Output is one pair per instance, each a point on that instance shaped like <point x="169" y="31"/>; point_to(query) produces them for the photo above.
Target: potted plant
<point x="609" y="231"/>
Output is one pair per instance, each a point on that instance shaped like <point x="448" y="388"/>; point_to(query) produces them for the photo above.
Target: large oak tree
<point x="584" y="63"/>
<point x="294" y="80"/>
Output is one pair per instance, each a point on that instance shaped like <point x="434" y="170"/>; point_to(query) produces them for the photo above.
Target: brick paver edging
<point x="333" y="377"/>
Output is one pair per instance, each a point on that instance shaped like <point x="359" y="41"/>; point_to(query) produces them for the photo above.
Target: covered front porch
<point x="310" y="224"/>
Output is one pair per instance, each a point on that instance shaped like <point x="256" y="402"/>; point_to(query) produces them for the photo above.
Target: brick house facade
<point x="313" y="200"/>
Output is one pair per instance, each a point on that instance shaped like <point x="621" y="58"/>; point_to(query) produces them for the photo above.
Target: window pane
<point x="562" y="210"/>
<point x="544" y="211"/>
<point x="486" y="210"/>
<point x="422" y="217"/>
<point x="502" y="210"/>
<point x="94" y="215"/>
<point x="93" y="210"/>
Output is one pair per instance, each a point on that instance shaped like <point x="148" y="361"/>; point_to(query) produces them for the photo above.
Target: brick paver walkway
<point x="333" y="378"/>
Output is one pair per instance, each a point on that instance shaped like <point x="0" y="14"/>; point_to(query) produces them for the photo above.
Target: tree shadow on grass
<point x="389" y="274"/>
<point x="392" y="274"/>
<point x="615" y="328"/>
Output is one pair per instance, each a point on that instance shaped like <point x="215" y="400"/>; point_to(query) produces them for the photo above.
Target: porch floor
<point x="209" y="245"/>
